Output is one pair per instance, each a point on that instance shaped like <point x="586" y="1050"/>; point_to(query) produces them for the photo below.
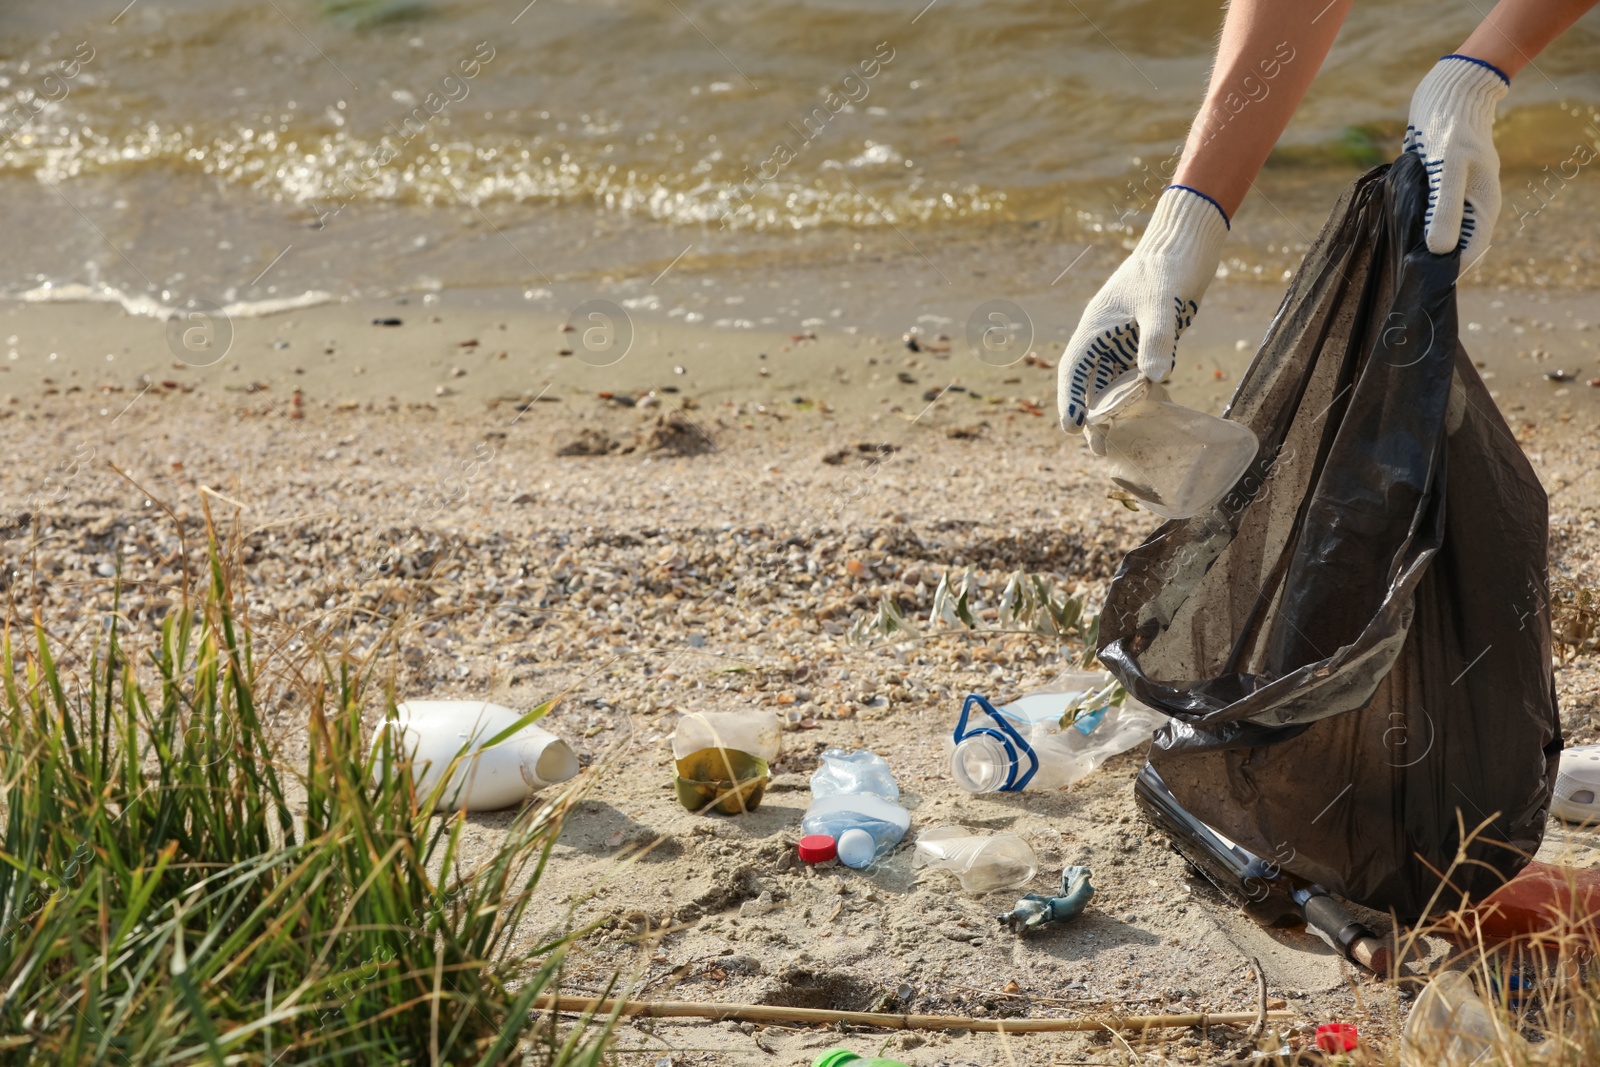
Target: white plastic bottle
<point x="1577" y="795"/>
<point x="434" y="732"/>
<point x="1022" y="745"/>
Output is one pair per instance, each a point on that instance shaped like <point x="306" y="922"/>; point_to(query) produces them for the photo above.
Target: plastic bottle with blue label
<point x="855" y="802"/>
<point x="1023" y="744"/>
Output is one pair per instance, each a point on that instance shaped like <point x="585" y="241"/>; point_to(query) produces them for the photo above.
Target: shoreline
<point x="458" y="350"/>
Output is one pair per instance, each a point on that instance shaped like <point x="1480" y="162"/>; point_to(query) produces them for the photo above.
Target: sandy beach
<point x="639" y="359"/>
<point x="466" y="512"/>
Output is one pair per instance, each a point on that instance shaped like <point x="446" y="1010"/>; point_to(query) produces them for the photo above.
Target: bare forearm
<point x="1269" y="53"/>
<point x="1517" y="30"/>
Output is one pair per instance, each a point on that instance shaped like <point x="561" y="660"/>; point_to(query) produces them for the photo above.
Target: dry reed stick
<point x="769" y="1013"/>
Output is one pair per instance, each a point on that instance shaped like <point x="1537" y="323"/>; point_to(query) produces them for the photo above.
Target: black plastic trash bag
<point x="1355" y="644"/>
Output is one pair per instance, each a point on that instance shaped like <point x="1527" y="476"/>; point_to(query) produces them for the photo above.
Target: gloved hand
<point x="1148" y="302"/>
<point x="1451" y="128"/>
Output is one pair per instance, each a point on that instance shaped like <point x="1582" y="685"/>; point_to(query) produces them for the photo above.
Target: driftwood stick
<point x="770" y="1013"/>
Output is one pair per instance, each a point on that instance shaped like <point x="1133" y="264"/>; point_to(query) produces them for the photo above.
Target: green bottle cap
<point x="840" y="1057"/>
<point x="835" y="1057"/>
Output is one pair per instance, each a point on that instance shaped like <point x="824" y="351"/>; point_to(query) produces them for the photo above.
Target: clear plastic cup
<point x="755" y="732"/>
<point x="1174" y="460"/>
<point x="1452" y="1026"/>
<point x="983" y="863"/>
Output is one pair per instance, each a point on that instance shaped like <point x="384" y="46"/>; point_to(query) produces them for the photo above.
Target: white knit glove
<point x="1145" y="306"/>
<point x="1451" y="128"/>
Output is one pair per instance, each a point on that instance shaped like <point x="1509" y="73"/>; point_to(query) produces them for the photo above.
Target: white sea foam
<point x="148" y="306"/>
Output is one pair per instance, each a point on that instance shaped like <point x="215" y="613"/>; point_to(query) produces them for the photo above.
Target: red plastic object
<point x="1337" y="1037"/>
<point x="1542" y="898"/>
<point x="818" y="848"/>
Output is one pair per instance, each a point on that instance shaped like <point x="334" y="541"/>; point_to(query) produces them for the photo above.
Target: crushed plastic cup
<point x="982" y="863"/>
<point x="721" y="779"/>
<point x="488" y="777"/>
<point x="722" y="759"/>
<point x="1450" y="1025"/>
<point x="1174" y="460"/>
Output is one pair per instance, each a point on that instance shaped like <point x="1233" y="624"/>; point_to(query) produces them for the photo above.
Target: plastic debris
<point x="854" y="772"/>
<point x="1513" y="992"/>
<point x="1036" y="909"/>
<point x="857" y="848"/>
<point x="818" y="848"/>
<point x="722" y="759"/>
<point x="843" y="1057"/>
<point x="1452" y="1026"/>
<point x="1025" y="745"/>
<point x="1337" y="1037"/>
<point x="434" y="732"/>
<point x="856" y="791"/>
<point x="983" y="863"/>
<point x="1577" y="796"/>
<point x="1174" y="460"/>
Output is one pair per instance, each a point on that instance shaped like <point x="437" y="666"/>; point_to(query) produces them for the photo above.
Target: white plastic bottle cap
<point x="856" y="848"/>
<point x="1577" y="796"/>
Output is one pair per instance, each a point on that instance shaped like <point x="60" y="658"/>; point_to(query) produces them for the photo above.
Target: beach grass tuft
<point x="174" y="890"/>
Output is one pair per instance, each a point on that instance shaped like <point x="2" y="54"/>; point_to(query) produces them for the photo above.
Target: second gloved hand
<point x="1138" y="315"/>
<point x="1451" y="127"/>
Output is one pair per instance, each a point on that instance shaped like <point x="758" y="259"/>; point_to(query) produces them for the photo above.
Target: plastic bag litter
<point x="1355" y="643"/>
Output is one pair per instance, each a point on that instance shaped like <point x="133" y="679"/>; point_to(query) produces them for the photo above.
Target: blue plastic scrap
<point x="1036" y="909"/>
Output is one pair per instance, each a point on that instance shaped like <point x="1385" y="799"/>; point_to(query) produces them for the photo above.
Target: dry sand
<point x="709" y="562"/>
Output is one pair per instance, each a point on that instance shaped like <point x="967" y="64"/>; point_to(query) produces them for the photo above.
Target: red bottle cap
<point x="818" y="848"/>
<point x="1337" y="1037"/>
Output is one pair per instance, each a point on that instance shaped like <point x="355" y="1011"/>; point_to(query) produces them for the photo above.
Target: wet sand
<point x="463" y="351"/>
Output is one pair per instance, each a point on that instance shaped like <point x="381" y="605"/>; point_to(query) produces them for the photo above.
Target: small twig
<point x="1260" y="1025"/>
<point x="758" y="1013"/>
